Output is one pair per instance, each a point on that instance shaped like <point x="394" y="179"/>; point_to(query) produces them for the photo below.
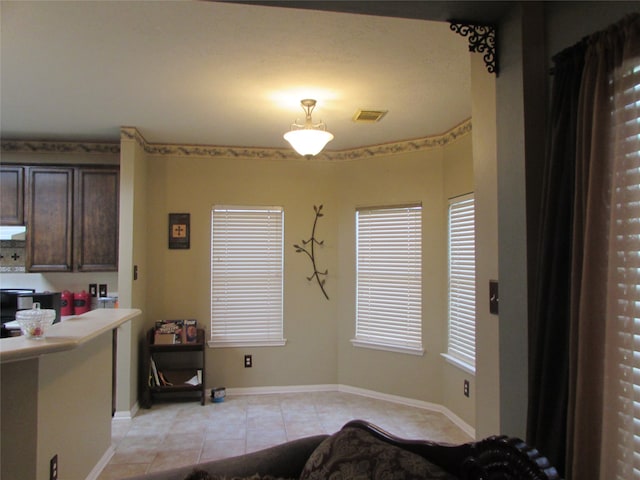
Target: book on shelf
<point x="154" y="372"/>
<point x="163" y="381"/>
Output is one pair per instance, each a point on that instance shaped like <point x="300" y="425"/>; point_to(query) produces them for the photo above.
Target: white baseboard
<point x="433" y="407"/>
<point x="97" y="469"/>
<point x="127" y="414"/>
<point x="411" y="402"/>
<point x="282" y="389"/>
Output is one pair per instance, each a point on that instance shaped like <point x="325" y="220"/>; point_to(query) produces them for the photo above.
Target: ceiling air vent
<point x="369" y="116"/>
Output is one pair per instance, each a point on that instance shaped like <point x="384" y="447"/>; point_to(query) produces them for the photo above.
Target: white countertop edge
<point x="66" y="335"/>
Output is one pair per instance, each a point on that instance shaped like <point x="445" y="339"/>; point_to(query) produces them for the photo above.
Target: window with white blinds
<point x="621" y="442"/>
<point x="246" y="276"/>
<point x="461" y="344"/>
<point x="389" y="278"/>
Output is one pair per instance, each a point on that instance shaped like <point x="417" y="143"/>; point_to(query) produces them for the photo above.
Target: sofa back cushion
<point x="353" y="453"/>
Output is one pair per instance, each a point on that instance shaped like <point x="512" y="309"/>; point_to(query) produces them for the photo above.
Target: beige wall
<point x="318" y="332"/>
<point x="179" y="282"/>
<point x="133" y="252"/>
<point x="57" y="404"/>
<point x="458" y="180"/>
<point x="77" y="383"/>
<point x="19" y="415"/>
<point x="487" y="386"/>
<point x="416" y="177"/>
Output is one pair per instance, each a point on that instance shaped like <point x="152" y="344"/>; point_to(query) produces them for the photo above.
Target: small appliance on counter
<point x="14" y="299"/>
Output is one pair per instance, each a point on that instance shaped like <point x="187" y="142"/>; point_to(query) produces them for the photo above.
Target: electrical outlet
<point x="466" y="388"/>
<point x="53" y="467"/>
<point x="248" y="361"/>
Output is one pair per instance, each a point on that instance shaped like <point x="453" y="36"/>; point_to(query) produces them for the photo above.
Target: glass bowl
<point x="34" y="321"/>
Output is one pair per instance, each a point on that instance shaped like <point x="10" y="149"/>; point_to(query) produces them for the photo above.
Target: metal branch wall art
<point x="310" y="252"/>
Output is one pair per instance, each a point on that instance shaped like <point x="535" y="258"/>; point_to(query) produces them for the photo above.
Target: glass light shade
<point x="308" y="141"/>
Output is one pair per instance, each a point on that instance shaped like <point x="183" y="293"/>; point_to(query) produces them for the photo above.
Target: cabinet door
<point x="49" y="214"/>
<point x="96" y="220"/>
<point x="11" y="195"/>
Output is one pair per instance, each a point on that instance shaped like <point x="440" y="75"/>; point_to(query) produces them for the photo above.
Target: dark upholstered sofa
<point x="361" y="450"/>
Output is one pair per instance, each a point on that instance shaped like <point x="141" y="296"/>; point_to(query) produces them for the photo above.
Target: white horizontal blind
<point x="389" y="277"/>
<point x="246" y="275"/>
<point x="462" y="280"/>
<point x="621" y="443"/>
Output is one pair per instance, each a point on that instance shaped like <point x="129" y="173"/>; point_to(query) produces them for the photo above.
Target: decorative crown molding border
<point x="212" y="151"/>
<point x="19" y="146"/>
<point x="407" y="146"/>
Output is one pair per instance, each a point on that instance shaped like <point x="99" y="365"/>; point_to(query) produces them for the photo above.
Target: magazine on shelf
<point x="191" y="331"/>
<point x="169" y="332"/>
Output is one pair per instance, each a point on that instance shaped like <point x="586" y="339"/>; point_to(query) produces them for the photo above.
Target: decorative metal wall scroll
<point x="311" y="252"/>
<point x="482" y="39"/>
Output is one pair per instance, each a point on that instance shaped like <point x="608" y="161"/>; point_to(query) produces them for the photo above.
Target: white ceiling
<point x="209" y="73"/>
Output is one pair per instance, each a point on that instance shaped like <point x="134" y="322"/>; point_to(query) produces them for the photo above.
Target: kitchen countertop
<point x="71" y="333"/>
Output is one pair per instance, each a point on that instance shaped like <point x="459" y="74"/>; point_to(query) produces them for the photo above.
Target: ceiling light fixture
<point x="308" y="139"/>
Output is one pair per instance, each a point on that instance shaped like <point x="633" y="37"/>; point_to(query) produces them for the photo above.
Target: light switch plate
<point x="494" y="298"/>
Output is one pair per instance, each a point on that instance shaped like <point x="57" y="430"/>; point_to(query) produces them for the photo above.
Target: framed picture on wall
<point x="179" y="230"/>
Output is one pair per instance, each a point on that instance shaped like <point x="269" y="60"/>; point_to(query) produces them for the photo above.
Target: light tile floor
<point x="174" y="434"/>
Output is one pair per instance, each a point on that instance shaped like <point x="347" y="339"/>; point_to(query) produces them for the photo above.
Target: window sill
<point x="388" y="348"/>
<point x="456" y="362"/>
<point x="256" y="343"/>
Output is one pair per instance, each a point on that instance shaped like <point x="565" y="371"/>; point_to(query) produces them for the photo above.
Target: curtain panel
<point x="549" y="330"/>
<point x="588" y="228"/>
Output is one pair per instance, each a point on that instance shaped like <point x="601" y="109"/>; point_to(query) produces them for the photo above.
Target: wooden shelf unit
<point x="178" y="363"/>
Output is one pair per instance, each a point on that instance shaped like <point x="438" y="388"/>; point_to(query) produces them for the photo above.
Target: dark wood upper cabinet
<point x="72" y="217"/>
<point x="96" y="220"/>
<point x="11" y="195"/>
<point x="49" y="219"/>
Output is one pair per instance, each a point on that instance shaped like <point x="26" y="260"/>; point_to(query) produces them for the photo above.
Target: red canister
<point x="81" y="302"/>
<point x="66" y="303"/>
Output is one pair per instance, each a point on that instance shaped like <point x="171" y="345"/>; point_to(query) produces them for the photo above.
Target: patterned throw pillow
<point x="354" y="454"/>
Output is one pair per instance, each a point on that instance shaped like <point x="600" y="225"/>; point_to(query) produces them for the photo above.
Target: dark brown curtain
<point x="549" y="333"/>
<point x="568" y="327"/>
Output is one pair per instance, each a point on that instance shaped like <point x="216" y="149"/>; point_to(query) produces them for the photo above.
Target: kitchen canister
<point x="81" y="302"/>
<point x="66" y="303"/>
